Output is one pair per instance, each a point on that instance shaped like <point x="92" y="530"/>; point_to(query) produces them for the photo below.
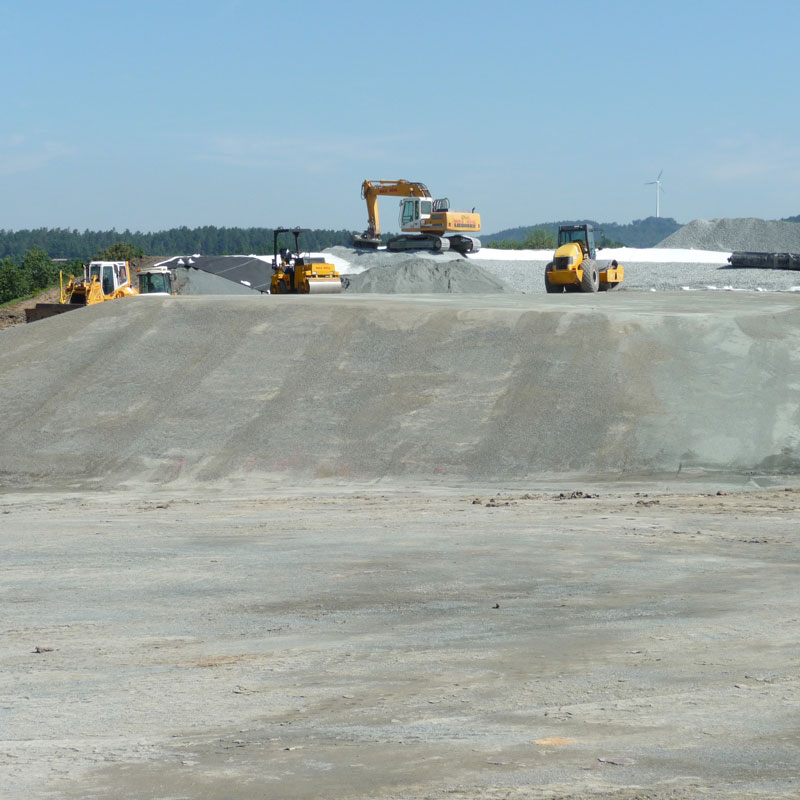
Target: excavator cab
<point x="415" y="210"/>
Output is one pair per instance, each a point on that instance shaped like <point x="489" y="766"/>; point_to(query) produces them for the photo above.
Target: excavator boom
<point x="427" y="223"/>
<point x="371" y="191"/>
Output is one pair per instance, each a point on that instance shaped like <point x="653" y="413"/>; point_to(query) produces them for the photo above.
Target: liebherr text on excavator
<point x="428" y="224"/>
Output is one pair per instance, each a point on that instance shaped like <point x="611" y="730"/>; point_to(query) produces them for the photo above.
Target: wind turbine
<point x="659" y="189"/>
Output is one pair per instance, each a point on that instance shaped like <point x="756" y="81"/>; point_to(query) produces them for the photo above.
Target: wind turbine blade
<point x="659" y="175"/>
<point x="649" y="183"/>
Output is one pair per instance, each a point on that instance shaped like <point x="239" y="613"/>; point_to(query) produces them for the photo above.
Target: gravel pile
<point x="476" y="275"/>
<point x="752" y="234"/>
<point x="424" y="276"/>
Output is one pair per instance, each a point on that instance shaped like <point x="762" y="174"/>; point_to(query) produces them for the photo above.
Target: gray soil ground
<point x="366" y="546"/>
<point x="400" y="644"/>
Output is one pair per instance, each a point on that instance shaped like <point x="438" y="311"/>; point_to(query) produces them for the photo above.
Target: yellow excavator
<point x="574" y="266"/>
<point x="293" y="273"/>
<point x="101" y="281"/>
<point x="428" y="224"/>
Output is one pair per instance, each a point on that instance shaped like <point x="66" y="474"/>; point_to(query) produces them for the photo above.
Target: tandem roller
<point x="293" y="273"/>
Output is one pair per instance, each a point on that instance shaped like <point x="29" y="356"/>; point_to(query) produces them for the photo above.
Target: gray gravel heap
<point x="748" y="233"/>
<point x="413" y="275"/>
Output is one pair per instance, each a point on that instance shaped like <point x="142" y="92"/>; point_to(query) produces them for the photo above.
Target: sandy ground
<point x="402" y="547"/>
<point x="401" y="643"/>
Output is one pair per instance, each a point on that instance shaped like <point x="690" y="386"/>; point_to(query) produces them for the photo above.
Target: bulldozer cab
<point x="110" y="274"/>
<point x="581" y="234"/>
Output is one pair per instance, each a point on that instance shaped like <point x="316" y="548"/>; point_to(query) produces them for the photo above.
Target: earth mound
<point x="182" y="390"/>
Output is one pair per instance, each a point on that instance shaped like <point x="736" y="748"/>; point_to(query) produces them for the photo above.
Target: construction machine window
<point x="108" y="280"/>
<point x="94" y="271"/>
<point x="425" y="207"/>
<point x="156" y="282"/>
<point x="409" y="212"/>
<point x="571" y="236"/>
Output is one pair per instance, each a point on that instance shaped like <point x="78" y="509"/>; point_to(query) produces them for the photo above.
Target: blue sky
<point x="150" y="115"/>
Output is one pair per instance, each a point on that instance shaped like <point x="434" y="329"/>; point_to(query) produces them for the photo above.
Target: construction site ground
<point x="417" y="547"/>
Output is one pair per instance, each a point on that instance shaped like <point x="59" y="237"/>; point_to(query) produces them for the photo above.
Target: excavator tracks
<point x="437" y="244"/>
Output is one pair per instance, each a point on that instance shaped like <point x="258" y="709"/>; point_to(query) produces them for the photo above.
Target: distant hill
<point x="639" y="233"/>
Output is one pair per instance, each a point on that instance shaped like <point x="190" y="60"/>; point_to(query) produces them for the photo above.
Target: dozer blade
<point x="45" y="310"/>
<point x="326" y="286"/>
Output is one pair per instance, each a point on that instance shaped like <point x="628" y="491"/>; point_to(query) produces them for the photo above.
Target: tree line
<point x="208" y="240"/>
<point x="544" y="239"/>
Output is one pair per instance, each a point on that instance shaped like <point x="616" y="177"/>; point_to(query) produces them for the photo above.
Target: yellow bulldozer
<point x="101" y="281"/>
<point x="427" y="224"/>
<point x="574" y="266"/>
<point x="293" y="273"/>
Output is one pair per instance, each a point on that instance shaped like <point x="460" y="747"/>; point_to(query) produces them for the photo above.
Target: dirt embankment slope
<point x="209" y="388"/>
<point x="14" y="313"/>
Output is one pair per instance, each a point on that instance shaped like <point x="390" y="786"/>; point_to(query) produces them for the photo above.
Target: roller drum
<point x="327" y="286"/>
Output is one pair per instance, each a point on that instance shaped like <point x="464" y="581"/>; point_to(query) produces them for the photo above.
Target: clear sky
<point x="149" y="115"/>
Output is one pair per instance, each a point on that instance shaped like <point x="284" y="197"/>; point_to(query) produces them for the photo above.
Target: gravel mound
<point x="748" y="233"/>
<point x="424" y="276"/>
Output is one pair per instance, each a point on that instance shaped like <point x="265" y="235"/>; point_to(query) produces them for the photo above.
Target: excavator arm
<point x="371" y="191"/>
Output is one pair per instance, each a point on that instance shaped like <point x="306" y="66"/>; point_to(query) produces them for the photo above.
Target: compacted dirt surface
<point x="429" y="548"/>
<point x="396" y="643"/>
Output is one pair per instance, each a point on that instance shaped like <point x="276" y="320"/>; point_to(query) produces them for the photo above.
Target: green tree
<point x="41" y="271"/>
<point x="539" y="239"/>
<point x="119" y="251"/>
<point x="14" y="281"/>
